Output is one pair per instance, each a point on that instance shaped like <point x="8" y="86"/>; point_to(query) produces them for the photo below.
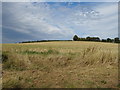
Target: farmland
<point x="60" y="64"/>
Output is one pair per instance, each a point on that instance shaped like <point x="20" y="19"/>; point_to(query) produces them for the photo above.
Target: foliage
<point x="75" y="38"/>
<point x="115" y="40"/>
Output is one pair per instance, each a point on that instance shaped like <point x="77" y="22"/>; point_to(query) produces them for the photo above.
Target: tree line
<point x="42" y="41"/>
<point x="115" y="40"/>
<point x="76" y="38"/>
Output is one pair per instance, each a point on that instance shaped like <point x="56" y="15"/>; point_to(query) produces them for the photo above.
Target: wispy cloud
<point x="36" y="21"/>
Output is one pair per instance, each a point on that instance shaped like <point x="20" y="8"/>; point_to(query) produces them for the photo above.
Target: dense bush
<point x="75" y="38"/>
<point x="4" y="57"/>
<point x="115" y="40"/>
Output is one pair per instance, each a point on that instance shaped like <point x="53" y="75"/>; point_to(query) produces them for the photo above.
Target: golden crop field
<point x="60" y="64"/>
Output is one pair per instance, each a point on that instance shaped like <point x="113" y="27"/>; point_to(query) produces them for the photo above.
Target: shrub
<point x="12" y="61"/>
<point x="4" y="57"/>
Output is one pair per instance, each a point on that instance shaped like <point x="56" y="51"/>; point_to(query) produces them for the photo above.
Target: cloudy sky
<point x="23" y="21"/>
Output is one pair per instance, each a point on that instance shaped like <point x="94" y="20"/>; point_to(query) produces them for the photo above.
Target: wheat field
<point x="60" y="64"/>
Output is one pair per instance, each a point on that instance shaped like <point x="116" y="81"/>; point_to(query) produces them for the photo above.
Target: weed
<point x="4" y="57"/>
<point x="12" y="62"/>
<point x="31" y="52"/>
<point x="89" y="82"/>
<point x="103" y="81"/>
<point x="69" y="84"/>
<point x="118" y="85"/>
<point x="12" y="83"/>
<point x="42" y="52"/>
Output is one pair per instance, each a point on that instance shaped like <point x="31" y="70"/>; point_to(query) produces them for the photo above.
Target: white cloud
<point x="108" y="25"/>
<point x="46" y="21"/>
<point x="30" y="19"/>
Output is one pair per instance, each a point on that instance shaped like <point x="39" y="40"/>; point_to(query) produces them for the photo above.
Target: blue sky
<point x="23" y="21"/>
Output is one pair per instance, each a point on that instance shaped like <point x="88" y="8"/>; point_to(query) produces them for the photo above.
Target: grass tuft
<point x="42" y="52"/>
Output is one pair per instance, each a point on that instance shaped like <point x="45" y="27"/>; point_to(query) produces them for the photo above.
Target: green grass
<point x="43" y="53"/>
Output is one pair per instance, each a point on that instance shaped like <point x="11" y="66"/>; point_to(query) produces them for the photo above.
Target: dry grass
<point x="60" y="65"/>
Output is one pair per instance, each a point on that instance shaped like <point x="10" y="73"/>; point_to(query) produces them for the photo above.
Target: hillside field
<point x="60" y="64"/>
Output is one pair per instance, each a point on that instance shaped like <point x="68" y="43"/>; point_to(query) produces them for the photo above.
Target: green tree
<point x="88" y="38"/>
<point x="116" y="39"/>
<point x="75" y="38"/>
<point x="109" y="40"/>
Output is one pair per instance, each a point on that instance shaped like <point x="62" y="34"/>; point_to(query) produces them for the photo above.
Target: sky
<point x="24" y="21"/>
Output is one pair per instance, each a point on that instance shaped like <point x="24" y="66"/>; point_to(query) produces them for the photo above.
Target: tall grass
<point x="60" y="64"/>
